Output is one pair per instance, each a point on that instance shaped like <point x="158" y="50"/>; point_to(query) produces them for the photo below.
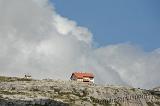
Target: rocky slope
<point x="24" y="92"/>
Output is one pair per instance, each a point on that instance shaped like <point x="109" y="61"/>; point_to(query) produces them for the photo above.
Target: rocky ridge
<point x="24" y="92"/>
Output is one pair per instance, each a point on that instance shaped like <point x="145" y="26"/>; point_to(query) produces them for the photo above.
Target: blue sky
<point x="116" y="21"/>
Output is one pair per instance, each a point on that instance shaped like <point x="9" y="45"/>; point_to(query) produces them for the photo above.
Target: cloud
<point x="132" y="65"/>
<point x="35" y="39"/>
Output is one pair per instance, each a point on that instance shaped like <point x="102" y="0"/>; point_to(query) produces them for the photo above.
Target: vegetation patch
<point x="12" y="92"/>
<point x="150" y="104"/>
<point x="12" y="79"/>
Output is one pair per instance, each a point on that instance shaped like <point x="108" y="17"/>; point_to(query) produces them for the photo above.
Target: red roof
<point x="82" y="75"/>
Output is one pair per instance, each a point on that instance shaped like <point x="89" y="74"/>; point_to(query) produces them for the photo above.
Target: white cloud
<point x="35" y="39"/>
<point x="134" y="66"/>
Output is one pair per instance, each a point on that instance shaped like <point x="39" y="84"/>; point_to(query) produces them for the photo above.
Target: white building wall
<point x="92" y="80"/>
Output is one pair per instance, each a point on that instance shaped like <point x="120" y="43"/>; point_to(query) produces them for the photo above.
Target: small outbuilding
<point x="27" y="76"/>
<point x="82" y="77"/>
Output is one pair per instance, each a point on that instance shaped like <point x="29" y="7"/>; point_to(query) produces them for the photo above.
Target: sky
<point x="116" y="21"/>
<point x="118" y="44"/>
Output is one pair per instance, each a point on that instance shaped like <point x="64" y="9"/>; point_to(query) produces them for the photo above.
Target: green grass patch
<point x="12" y="79"/>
